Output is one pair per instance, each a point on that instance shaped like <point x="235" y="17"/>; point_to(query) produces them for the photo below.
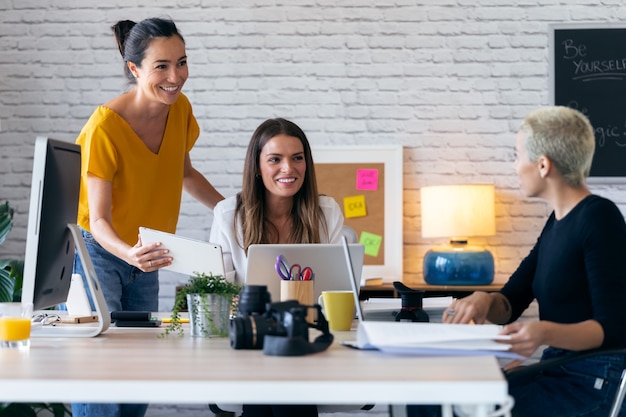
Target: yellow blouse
<point x="146" y="187"/>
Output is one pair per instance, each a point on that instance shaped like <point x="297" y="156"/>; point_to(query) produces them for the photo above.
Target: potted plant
<point x="210" y="300"/>
<point x="10" y="269"/>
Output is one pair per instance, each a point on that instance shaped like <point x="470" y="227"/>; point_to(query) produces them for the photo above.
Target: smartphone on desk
<point x="138" y="323"/>
<point x="134" y="319"/>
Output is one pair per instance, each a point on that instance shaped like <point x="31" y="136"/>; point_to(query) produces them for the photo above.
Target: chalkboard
<point x="366" y="182"/>
<point x="588" y="73"/>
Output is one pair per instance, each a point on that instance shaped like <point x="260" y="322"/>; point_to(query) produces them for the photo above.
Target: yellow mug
<point x="338" y="308"/>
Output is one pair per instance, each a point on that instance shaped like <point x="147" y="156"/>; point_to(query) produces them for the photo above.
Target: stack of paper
<point x="434" y="339"/>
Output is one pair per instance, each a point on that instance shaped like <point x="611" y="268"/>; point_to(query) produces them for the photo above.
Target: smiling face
<point x="282" y="165"/>
<point x="163" y="71"/>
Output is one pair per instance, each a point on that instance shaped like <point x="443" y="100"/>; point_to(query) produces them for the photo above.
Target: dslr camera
<point x="280" y="328"/>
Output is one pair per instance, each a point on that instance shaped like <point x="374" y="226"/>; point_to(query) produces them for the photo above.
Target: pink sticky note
<point x="367" y="179"/>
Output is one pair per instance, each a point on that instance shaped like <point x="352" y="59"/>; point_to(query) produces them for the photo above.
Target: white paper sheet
<point x="433" y="339"/>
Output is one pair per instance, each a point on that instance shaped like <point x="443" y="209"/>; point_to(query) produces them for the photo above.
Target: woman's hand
<point x="473" y="308"/>
<point x="148" y="257"/>
<point x="525" y="338"/>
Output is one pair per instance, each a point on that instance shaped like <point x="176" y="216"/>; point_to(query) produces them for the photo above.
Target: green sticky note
<point x="371" y="242"/>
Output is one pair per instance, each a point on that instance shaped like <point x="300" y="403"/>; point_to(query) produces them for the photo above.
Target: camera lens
<point x="253" y="299"/>
<point x="248" y="332"/>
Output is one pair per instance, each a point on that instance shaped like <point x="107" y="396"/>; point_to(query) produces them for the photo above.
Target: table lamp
<point x="458" y="212"/>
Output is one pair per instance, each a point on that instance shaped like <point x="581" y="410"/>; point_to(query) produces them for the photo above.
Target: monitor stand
<point x="102" y="311"/>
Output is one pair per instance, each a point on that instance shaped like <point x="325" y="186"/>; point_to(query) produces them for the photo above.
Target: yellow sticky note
<point x="354" y="206"/>
<point x="371" y="242"/>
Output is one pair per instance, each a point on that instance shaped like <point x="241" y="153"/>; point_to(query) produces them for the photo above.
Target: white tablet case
<point x="190" y="255"/>
<point x="326" y="259"/>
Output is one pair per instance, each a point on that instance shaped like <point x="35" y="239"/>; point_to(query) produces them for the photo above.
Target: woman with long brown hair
<point x="278" y="202"/>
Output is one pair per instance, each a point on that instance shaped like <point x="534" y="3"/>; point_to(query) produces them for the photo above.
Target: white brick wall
<point x="450" y="80"/>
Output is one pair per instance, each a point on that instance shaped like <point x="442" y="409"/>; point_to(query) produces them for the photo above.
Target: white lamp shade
<point x="458" y="211"/>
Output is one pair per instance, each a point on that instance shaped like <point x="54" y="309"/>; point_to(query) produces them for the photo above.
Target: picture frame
<point x="339" y="169"/>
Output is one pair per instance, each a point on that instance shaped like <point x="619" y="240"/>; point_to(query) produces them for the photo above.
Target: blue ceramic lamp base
<point x="454" y="266"/>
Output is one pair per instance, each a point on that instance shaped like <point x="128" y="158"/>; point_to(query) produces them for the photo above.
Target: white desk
<point x="133" y="365"/>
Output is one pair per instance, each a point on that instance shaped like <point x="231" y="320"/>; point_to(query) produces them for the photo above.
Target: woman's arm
<point x="527" y="337"/>
<point x="333" y="218"/>
<point x="101" y="225"/>
<point x="199" y="187"/>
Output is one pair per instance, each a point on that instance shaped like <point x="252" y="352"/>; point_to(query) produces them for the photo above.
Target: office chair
<point x="460" y="410"/>
<point x="350" y="234"/>
<point x="529" y="370"/>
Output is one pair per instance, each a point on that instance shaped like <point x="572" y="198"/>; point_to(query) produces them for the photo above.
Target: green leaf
<point x="11" y="279"/>
<point x="6" y="221"/>
<point x="6" y="285"/>
<point x="17" y="409"/>
<point x="33" y="409"/>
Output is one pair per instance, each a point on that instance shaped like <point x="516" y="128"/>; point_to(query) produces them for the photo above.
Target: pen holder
<point x="302" y="291"/>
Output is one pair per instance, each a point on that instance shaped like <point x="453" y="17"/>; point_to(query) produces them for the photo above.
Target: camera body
<point x="279" y="328"/>
<point x="286" y="318"/>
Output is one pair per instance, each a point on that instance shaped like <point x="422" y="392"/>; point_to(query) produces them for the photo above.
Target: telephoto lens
<point x="248" y="332"/>
<point x="248" y="329"/>
<point x="253" y="299"/>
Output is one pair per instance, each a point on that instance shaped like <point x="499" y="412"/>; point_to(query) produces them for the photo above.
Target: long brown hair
<point x="306" y="212"/>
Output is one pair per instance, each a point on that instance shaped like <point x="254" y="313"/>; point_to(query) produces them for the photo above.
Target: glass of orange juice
<point x="15" y="319"/>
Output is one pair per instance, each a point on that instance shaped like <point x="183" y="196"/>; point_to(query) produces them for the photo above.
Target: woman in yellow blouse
<point x="135" y="164"/>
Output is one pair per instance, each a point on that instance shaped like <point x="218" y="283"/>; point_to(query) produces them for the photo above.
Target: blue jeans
<point x="109" y="410"/>
<point x="125" y="287"/>
<point x="583" y="388"/>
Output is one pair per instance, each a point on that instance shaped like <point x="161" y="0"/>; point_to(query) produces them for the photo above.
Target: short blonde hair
<point x="565" y="136"/>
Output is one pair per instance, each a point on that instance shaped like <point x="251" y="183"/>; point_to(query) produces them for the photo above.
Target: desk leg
<point x="480" y="410"/>
<point x="447" y="410"/>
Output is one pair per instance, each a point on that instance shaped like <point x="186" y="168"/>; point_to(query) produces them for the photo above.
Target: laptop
<point x="190" y="255"/>
<point x="386" y="309"/>
<point x="325" y="259"/>
<point x="355" y="283"/>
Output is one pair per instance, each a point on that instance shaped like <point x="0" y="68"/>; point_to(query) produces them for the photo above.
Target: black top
<point x="577" y="270"/>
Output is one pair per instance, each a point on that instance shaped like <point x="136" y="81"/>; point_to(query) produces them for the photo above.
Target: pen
<point x="169" y="320"/>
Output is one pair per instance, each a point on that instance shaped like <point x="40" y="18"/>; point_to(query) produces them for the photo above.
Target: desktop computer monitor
<point x="50" y="247"/>
<point x="52" y="237"/>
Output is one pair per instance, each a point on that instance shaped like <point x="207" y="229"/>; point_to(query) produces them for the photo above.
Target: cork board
<point x="334" y="180"/>
<point x="366" y="182"/>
